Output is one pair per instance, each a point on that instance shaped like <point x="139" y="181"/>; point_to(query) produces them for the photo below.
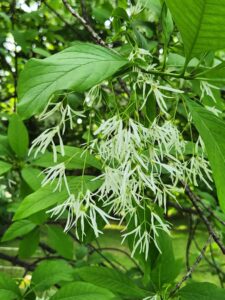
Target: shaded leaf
<point x="29" y="244"/>
<point x="4" y="167"/>
<point x="18" y="229"/>
<point x="60" y="241"/>
<point x="18" y="136"/>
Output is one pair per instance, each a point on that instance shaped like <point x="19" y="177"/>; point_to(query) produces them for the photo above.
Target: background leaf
<point x="60" y="241"/>
<point x="18" y="136"/>
<point x="4" y="167"/>
<point x="29" y="244"/>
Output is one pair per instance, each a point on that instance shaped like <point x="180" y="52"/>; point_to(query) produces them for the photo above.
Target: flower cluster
<point x="46" y="138"/>
<point x="142" y="166"/>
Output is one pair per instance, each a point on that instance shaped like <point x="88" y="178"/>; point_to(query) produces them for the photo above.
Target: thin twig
<point x="189" y="241"/>
<point x="59" y="16"/>
<point x="84" y="11"/>
<point x="182" y="209"/>
<point x="192" y="268"/>
<point x="94" y="34"/>
<point x="15" y="261"/>
<point x="121" y="251"/>
<point x="220" y="273"/>
<point x="205" y="220"/>
<point x="210" y="211"/>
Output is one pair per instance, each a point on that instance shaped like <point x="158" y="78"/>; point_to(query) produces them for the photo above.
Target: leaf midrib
<point x="197" y="31"/>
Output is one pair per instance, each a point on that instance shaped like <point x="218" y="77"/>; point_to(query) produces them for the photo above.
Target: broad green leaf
<point x="60" y="241"/>
<point x="39" y="200"/>
<point x="201" y="290"/>
<point x="212" y="130"/>
<point x="45" y="197"/>
<point x="8" y="288"/>
<point x="112" y="280"/>
<point x="74" y="158"/>
<point x="18" y="229"/>
<point x="51" y="272"/>
<point x="32" y="177"/>
<point x="18" y="136"/>
<point x="77" y="68"/>
<point x="29" y="244"/>
<point x="201" y="24"/>
<point x="4" y="167"/>
<point x="82" y="291"/>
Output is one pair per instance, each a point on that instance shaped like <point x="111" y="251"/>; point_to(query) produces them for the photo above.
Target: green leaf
<point x="8" y="288"/>
<point x="112" y="280"/>
<point x="32" y="177"/>
<point x="39" y="200"/>
<point x="201" y="24"/>
<point x="48" y="273"/>
<point x="212" y="130"/>
<point x="60" y="241"/>
<point x="18" y="136"/>
<point x="77" y="68"/>
<point x="4" y="167"/>
<point x="201" y="290"/>
<point x="5" y="149"/>
<point x="215" y="75"/>
<point x="18" y="229"/>
<point x="45" y="197"/>
<point x="74" y="158"/>
<point x="29" y="244"/>
<point x="82" y="291"/>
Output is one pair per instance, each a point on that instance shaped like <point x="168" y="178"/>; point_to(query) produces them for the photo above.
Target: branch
<point x="210" y="211"/>
<point x="59" y="16"/>
<point x="84" y="11"/>
<point x="213" y="264"/>
<point x="182" y="209"/>
<point x="192" y="230"/>
<point x="121" y="251"/>
<point x="94" y="34"/>
<point x="194" y="200"/>
<point x="15" y="261"/>
<point x="192" y="268"/>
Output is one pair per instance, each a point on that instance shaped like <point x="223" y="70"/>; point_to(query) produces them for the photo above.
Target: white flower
<point x="79" y="209"/>
<point x="206" y="89"/>
<point x="149" y="85"/>
<point x="44" y="140"/>
<point x="53" y="173"/>
<point x="214" y="110"/>
<point x="142" y="235"/>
